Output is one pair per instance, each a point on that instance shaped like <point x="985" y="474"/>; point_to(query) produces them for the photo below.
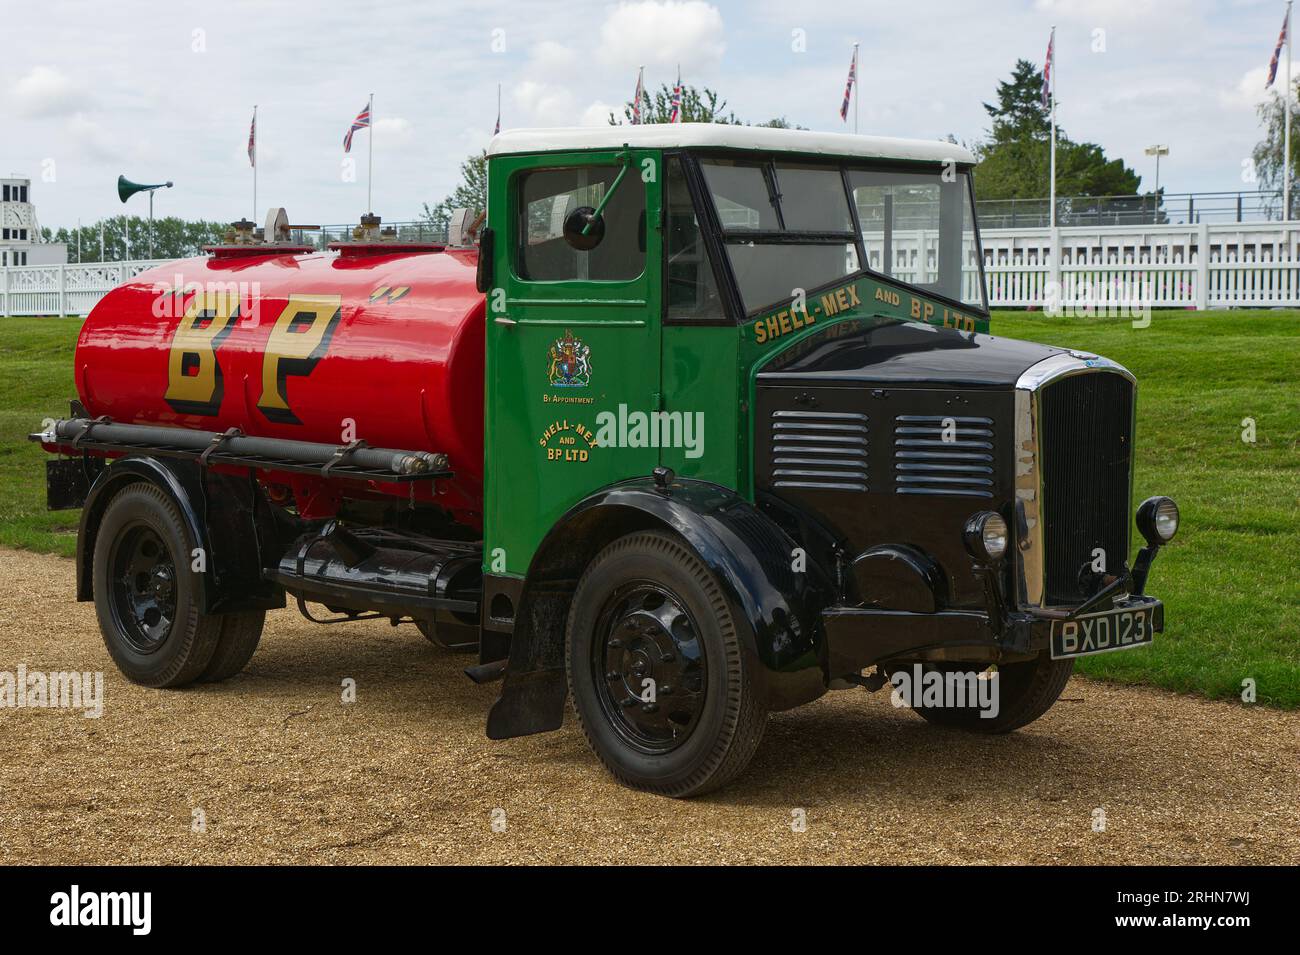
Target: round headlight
<point x="1157" y="519"/>
<point x="986" y="536"/>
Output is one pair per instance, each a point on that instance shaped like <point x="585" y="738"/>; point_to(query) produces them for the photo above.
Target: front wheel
<point x="658" y="676"/>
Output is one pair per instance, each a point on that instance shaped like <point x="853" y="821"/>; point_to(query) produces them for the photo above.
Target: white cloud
<point x="44" y="91"/>
<point x="543" y="104"/>
<point x="395" y="130"/>
<point x="1249" y="90"/>
<point x="597" y="114"/>
<point x="555" y="59"/>
<point x="93" y="139"/>
<point x="663" y="34"/>
<point x="1104" y="13"/>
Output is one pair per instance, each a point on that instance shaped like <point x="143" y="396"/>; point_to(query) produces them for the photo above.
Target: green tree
<point x="471" y="193"/>
<point x="1267" y="154"/>
<point x="173" y="238"/>
<point x="1019" y="114"/>
<point x="699" y="105"/>
<point x="1015" y="162"/>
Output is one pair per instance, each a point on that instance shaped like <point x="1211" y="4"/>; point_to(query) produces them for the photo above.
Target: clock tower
<point x="20" y="233"/>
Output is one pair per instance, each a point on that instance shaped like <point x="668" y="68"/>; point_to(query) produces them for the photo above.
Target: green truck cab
<point x="747" y="437"/>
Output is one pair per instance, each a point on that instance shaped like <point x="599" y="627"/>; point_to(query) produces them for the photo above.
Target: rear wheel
<point x="146" y="596"/>
<point x="1024" y="692"/>
<point x="240" y="634"/>
<point x="659" y="681"/>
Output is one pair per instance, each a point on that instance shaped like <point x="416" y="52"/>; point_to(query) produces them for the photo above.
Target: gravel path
<point x="283" y="771"/>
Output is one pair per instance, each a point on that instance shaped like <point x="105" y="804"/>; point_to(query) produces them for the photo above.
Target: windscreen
<point x="790" y="226"/>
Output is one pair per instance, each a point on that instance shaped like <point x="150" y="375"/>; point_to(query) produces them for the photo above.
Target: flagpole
<point x="370" y="175"/>
<point x="1286" y="134"/>
<point x="1051" y="90"/>
<point x="255" y="162"/>
<point x="857" y="84"/>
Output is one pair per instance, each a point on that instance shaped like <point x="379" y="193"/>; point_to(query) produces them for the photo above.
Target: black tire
<point x="1025" y="691"/>
<point x="145" y="592"/>
<point x="647" y="604"/>
<point x="240" y="635"/>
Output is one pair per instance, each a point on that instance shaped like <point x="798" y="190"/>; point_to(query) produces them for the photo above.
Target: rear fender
<point x="227" y="519"/>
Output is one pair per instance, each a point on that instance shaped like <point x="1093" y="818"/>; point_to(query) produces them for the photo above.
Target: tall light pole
<point x="1157" y="151"/>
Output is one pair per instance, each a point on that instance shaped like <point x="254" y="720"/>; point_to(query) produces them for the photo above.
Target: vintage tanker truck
<point x="704" y="422"/>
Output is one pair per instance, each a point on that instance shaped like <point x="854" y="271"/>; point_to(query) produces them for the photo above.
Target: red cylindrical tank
<point x="379" y="346"/>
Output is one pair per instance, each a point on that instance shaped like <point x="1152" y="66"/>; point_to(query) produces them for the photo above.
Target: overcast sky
<point x="159" y="91"/>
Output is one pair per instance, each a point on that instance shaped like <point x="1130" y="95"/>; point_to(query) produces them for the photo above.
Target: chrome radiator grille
<point x="1086" y="448"/>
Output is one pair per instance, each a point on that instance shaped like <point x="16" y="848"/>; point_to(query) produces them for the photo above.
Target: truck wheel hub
<point x="144" y="588"/>
<point x="651" y="667"/>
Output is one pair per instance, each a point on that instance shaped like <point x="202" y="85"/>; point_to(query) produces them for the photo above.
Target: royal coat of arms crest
<point x="569" y="363"/>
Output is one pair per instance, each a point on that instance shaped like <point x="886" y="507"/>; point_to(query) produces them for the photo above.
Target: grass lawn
<point x="1231" y="578"/>
<point x="1230" y="581"/>
<point x="35" y="383"/>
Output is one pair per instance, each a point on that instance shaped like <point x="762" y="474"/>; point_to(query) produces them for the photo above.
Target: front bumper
<point x="859" y="637"/>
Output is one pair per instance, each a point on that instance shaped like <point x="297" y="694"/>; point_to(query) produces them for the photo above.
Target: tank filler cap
<point x="244" y="238"/>
<point x="369" y="238"/>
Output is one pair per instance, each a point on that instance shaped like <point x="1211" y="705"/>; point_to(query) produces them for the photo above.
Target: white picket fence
<point x="1208" y="265"/>
<point x="63" y="289"/>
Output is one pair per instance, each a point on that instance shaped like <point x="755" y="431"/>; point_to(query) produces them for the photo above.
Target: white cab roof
<point x="720" y="136"/>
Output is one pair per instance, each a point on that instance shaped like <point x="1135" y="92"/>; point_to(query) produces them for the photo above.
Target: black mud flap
<point x="68" y="480"/>
<point x="530" y="702"/>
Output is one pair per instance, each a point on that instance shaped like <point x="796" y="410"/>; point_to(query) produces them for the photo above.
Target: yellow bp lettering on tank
<point x="565" y="440"/>
<point x="299" y="340"/>
<point x="195" y="384"/>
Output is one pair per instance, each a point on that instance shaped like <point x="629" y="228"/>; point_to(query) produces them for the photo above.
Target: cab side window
<point x="692" y="291"/>
<point x="547" y="197"/>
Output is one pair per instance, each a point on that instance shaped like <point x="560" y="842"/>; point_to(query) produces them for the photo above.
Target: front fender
<point x="777" y="609"/>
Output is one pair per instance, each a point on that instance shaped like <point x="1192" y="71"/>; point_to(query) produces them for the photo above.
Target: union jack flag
<point x="361" y="122"/>
<point x="252" y="140"/>
<point x="848" y="87"/>
<point x="636" y="99"/>
<point x="1047" y="70"/>
<point x="676" y="116"/>
<point x="1277" y="52"/>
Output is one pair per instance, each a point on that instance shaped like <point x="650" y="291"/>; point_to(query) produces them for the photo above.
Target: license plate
<point x="1101" y="632"/>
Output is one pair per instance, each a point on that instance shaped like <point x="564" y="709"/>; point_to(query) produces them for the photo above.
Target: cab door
<point x="573" y="344"/>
